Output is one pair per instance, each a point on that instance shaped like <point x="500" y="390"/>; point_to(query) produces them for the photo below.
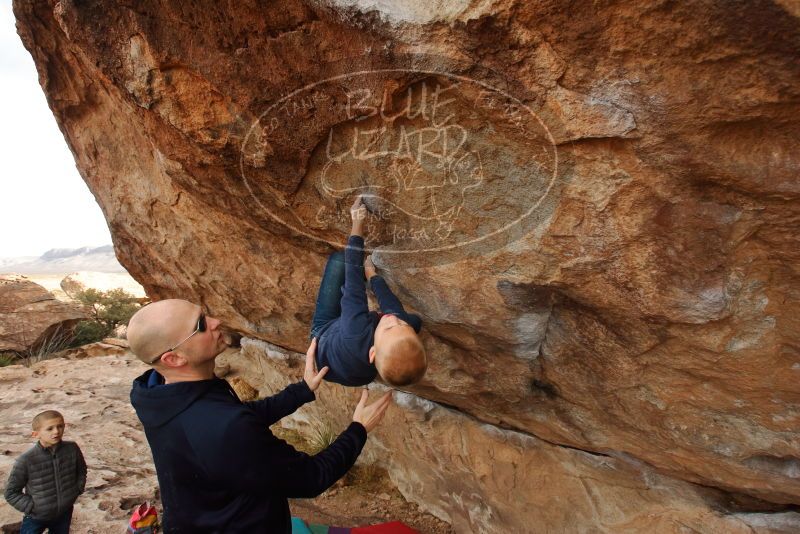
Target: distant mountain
<point x="65" y="260"/>
<point x="63" y="253"/>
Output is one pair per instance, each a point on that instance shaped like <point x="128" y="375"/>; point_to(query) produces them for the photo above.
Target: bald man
<point x="219" y="467"/>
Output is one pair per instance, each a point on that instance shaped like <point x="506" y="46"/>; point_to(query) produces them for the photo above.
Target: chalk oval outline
<point x="336" y="244"/>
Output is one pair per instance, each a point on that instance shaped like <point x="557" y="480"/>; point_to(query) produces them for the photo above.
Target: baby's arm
<point x="355" y="308"/>
<point x="16" y="483"/>
<point x="387" y="300"/>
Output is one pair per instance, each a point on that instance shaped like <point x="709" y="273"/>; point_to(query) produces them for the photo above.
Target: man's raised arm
<point x="257" y="461"/>
<point x="272" y="409"/>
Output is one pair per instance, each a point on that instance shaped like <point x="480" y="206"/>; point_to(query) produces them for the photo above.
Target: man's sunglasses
<point x="201" y="327"/>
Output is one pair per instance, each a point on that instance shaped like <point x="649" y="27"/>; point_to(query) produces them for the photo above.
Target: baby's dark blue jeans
<point x="329" y="297"/>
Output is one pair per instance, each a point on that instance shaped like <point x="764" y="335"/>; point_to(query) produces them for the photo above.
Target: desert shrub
<point x="8" y="358"/>
<point x="54" y="341"/>
<point x="322" y="435"/>
<point x="89" y="332"/>
<point x="108" y="310"/>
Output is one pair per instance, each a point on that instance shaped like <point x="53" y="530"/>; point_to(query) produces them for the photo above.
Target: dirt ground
<point x="366" y="502"/>
<point x="365" y="496"/>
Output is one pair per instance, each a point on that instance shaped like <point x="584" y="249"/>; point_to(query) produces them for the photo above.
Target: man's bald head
<point x="160" y="326"/>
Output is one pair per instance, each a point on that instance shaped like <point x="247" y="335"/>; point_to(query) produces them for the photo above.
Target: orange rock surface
<point x="593" y="206"/>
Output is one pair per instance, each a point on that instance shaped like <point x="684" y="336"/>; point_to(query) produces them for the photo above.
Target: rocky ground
<point x="365" y="496"/>
<point x="92" y="393"/>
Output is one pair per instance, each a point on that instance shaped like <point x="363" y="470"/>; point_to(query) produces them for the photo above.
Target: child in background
<point x="47" y="479"/>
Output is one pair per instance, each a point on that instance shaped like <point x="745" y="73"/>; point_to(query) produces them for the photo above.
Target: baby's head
<point x="48" y="427"/>
<point x="398" y="353"/>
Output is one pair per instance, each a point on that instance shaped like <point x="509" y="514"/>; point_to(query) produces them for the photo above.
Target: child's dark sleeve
<point x="389" y="303"/>
<point x="273" y="408"/>
<point x="355" y="309"/>
<point x="16" y="483"/>
<point x="81" y="467"/>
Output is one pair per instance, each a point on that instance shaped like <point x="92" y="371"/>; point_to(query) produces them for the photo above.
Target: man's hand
<point x="369" y="267"/>
<point x="311" y="376"/>
<point x="371" y="415"/>
<point x="358" y="212"/>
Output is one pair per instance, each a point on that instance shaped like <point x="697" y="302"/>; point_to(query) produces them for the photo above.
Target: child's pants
<point x="329" y="298"/>
<point x="59" y="525"/>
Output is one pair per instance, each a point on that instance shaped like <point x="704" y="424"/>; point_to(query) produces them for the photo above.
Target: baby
<point x="354" y="343"/>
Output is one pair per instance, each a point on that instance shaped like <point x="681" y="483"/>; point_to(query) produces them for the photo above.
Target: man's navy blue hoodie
<point x="343" y="344"/>
<point x="219" y="467"/>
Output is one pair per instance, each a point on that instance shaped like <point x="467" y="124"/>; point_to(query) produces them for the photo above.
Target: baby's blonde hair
<point x="403" y="362"/>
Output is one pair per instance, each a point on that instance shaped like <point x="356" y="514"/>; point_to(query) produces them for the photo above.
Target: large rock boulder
<point x="593" y="206"/>
<point x="32" y="319"/>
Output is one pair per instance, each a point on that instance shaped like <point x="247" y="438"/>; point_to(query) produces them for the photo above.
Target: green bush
<point x="89" y="332"/>
<point x="108" y="310"/>
<point x="8" y="358"/>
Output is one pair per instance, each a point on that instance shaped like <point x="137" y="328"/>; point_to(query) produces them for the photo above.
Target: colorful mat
<point x="395" y="527"/>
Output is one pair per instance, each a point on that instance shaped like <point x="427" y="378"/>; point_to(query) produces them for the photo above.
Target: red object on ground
<point x="144" y="519"/>
<point x="395" y="527"/>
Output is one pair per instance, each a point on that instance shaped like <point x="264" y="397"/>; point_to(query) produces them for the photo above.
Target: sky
<point x="44" y="202"/>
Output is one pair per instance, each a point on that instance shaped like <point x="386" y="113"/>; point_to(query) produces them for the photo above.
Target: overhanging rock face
<point x="593" y="207"/>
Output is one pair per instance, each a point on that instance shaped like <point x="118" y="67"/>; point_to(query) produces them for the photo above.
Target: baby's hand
<point x="369" y="267"/>
<point x="358" y="212"/>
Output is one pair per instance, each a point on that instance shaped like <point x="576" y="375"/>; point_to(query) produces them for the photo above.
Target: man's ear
<point x="372" y="354"/>
<point x="35" y="434"/>
<point x="173" y="359"/>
